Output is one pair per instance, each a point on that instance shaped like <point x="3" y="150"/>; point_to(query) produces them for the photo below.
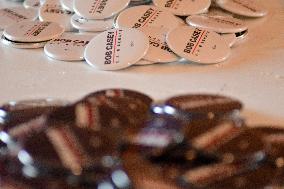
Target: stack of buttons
<point x="121" y="139"/>
<point x="53" y="149"/>
<point x="203" y="32"/>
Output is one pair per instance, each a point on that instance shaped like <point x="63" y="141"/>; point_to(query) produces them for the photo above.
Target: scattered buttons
<point x="194" y="140"/>
<point x="213" y="27"/>
<point x="110" y="49"/>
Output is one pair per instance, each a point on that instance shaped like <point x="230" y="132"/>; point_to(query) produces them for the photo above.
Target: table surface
<point x="254" y="73"/>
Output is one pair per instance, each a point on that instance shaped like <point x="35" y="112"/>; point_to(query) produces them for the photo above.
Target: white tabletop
<point x="254" y="73"/>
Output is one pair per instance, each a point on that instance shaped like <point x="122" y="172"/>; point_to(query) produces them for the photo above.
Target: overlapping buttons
<point x="114" y="137"/>
<point x="206" y="36"/>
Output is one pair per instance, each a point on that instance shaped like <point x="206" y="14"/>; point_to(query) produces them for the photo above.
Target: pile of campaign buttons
<point x="122" y="139"/>
<point x="154" y="31"/>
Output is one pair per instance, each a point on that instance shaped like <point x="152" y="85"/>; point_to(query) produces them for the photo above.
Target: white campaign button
<point x="33" y="31"/>
<point x="219" y="24"/>
<point x="9" y="16"/>
<point x="52" y="11"/>
<point x="242" y="7"/>
<point x="198" y="45"/>
<point x="146" y="15"/>
<point x="84" y="24"/>
<point x="184" y="7"/>
<point x="158" y="51"/>
<point x="22" y="45"/>
<point x="99" y="9"/>
<point x="67" y="47"/>
<point x="35" y="4"/>
<point x="67" y="4"/>
<point x="116" y="49"/>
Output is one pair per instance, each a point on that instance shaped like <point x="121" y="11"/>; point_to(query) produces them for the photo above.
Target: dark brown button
<point x="133" y="105"/>
<point x="216" y="104"/>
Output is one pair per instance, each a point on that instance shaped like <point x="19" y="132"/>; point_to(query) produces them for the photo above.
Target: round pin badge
<point x="22" y="45"/>
<point x="146" y="15"/>
<point x="110" y="49"/>
<point x="84" y="24"/>
<point x="204" y="103"/>
<point x="10" y="16"/>
<point x="135" y="104"/>
<point x="183" y="7"/>
<point x="158" y="51"/>
<point x="242" y="7"/>
<point x="67" y="47"/>
<point x="219" y="24"/>
<point x="52" y="11"/>
<point x="33" y="31"/>
<point x="67" y="5"/>
<point x="198" y="45"/>
<point x="35" y="4"/>
<point x="99" y="9"/>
